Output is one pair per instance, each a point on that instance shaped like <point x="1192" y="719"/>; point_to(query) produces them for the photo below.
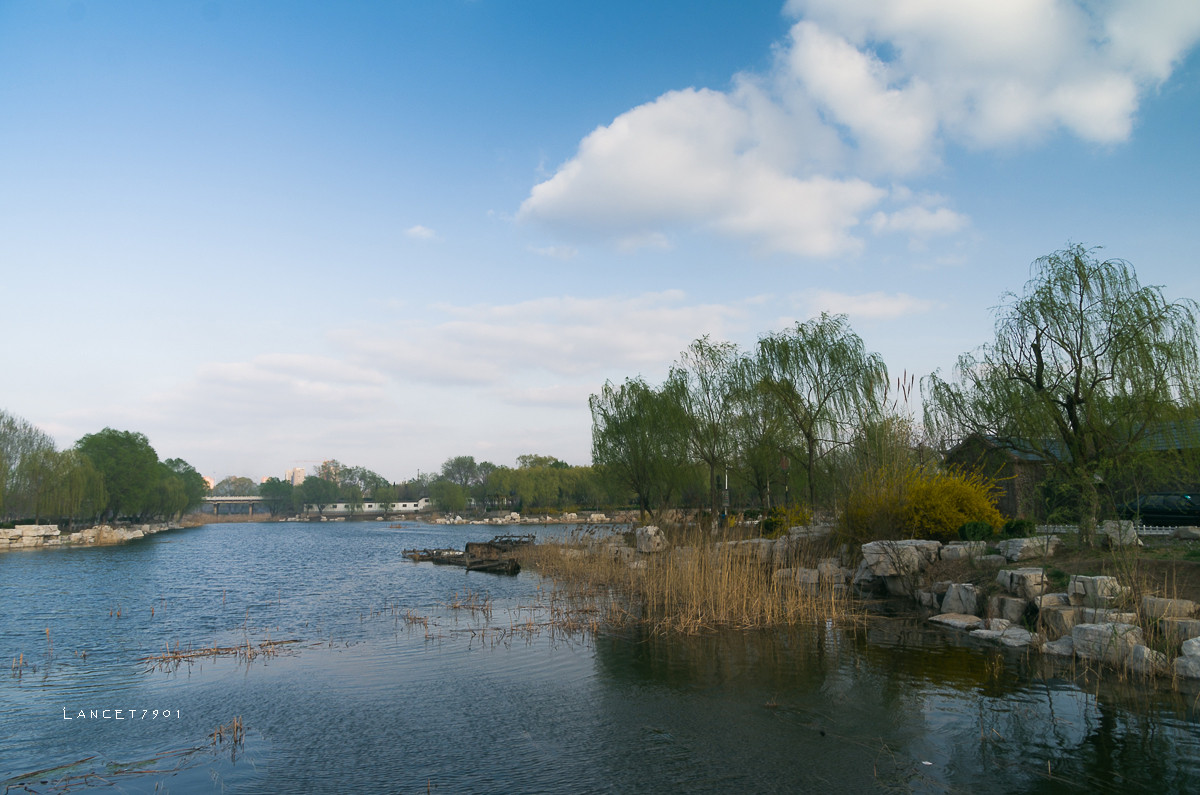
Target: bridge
<point x="217" y="502"/>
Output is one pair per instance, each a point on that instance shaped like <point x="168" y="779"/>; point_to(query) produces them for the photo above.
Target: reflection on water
<point x="390" y="687"/>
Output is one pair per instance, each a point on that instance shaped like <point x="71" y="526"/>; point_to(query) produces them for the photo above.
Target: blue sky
<point x="270" y="233"/>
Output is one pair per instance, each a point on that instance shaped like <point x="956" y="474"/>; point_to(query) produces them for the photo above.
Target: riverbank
<point x="1134" y="610"/>
<point x="33" y="536"/>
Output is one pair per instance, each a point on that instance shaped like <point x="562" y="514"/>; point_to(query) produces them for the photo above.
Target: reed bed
<point x="173" y="658"/>
<point x="691" y="589"/>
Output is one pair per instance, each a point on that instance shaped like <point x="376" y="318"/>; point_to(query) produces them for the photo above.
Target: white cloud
<point x="541" y="343"/>
<point x="419" y="232"/>
<point x="867" y="306"/>
<point x="861" y="91"/>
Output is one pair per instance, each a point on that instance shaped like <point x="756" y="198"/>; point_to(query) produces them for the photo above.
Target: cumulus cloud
<point x="861" y="92"/>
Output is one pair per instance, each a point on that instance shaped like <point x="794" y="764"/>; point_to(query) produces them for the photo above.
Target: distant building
<point x="372" y="508"/>
<point x="294" y="476"/>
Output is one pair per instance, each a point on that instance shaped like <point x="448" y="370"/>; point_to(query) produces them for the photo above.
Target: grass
<point x="697" y="585"/>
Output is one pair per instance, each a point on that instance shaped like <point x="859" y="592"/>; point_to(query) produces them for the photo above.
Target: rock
<point x="1187" y="667"/>
<point x="781" y="551"/>
<point x="941" y="586"/>
<point x="651" y="539"/>
<point x="1146" y="661"/>
<point x="1109" y="643"/>
<point x="1188" y="533"/>
<point x="1026" y="583"/>
<point x="928" y="599"/>
<point x="1014" y="549"/>
<point x="1010" y="608"/>
<point x="1191" y="648"/>
<point x="1097" y="591"/>
<point x="1180" y="628"/>
<point x="899" y="558"/>
<point x="958" y="620"/>
<point x="1052" y="600"/>
<point x="831" y="570"/>
<point x="1154" y="607"/>
<point x="991" y="560"/>
<point x="1013" y="636"/>
<point x="998" y="624"/>
<point x="1119" y="533"/>
<point x="961" y="598"/>
<point x="1100" y="615"/>
<point x="898" y="585"/>
<point x="1059" y="619"/>
<point x="1063" y="647"/>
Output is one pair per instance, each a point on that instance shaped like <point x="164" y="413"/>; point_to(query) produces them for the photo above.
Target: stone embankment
<point x="29" y="536"/>
<point x="1097" y="619"/>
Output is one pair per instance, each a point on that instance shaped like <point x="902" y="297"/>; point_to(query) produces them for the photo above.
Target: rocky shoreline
<point x="32" y="536"/>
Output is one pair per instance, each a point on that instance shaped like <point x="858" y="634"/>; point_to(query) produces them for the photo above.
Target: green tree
<point x="235" y="486"/>
<point x="461" y="470"/>
<point x="277" y="494"/>
<point x="825" y="382"/>
<point x="448" y="496"/>
<point x="195" y="488"/>
<point x="639" y="441"/>
<point x="703" y="381"/>
<point x="129" y="467"/>
<point x="23" y="447"/>
<point x="1085" y="364"/>
<point x="319" y="492"/>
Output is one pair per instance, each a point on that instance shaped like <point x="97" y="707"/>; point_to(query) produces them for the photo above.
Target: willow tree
<point x="639" y="441"/>
<point x="1086" y="364"/>
<point x="703" y="381"/>
<point x="824" y="381"/>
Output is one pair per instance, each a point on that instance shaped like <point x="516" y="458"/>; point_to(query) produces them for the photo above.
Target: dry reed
<point x="691" y="589"/>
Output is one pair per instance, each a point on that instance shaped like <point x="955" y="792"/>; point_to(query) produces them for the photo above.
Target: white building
<point x="374" y="508"/>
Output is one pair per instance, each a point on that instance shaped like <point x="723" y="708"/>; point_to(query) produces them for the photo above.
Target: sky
<point x="266" y="234"/>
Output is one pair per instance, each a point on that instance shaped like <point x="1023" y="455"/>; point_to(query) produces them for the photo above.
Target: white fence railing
<point x="1070" y="529"/>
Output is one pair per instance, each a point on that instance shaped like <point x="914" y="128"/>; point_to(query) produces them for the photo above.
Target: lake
<point x="389" y="681"/>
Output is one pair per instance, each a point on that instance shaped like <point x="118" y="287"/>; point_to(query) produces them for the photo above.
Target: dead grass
<point x="699" y="586"/>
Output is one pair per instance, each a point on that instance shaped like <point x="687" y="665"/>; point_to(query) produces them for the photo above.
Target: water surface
<point x="391" y="688"/>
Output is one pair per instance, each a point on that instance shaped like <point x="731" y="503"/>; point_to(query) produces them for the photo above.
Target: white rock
<point x="651" y="539"/>
<point x="1187" y="667"/>
<point x="1026" y="583"/>
<point x="1191" y="648"/>
<point x="1110" y="643"/>
<point x="958" y="620"/>
<point x="1146" y="661"/>
<point x="1063" y="647"/>
<point x="961" y="598"/>
<point x="1154" y="607"/>
<point x="1014" y="549"/>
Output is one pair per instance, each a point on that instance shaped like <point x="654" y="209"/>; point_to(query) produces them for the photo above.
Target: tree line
<point x="105" y="476"/>
<point x="1091" y="374"/>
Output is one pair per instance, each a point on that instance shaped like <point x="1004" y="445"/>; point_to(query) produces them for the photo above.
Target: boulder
<point x="1180" y="628"/>
<point x="1110" y="643"/>
<point x="1117" y="533"/>
<point x="991" y="560"/>
<point x="1058" y="620"/>
<point x="1012" y="636"/>
<point x="899" y="558"/>
<point x="1026" y="583"/>
<point x="928" y="599"/>
<point x="1097" y="591"/>
<point x="963" y="550"/>
<point x="1188" y="533"/>
<point x="1191" y="648"/>
<point x="958" y="620"/>
<point x="1010" y="608"/>
<point x="1101" y="615"/>
<point x="1187" y="667"/>
<point x="651" y="539"/>
<point x="1052" y="600"/>
<point x="1154" y="607"/>
<point x="1014" y="549"/>
<point x="831" y="571"/>
<point x="961" y="598"/>
<point x="1147" y="661"/>
<point x="1063" y="647"/>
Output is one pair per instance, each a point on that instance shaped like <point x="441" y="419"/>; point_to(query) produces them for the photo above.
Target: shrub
<point x="976" y="531"/>
<point x="1019" y="528"/>
<point x="782" y="519"/>
<point x="938" y="503"/>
